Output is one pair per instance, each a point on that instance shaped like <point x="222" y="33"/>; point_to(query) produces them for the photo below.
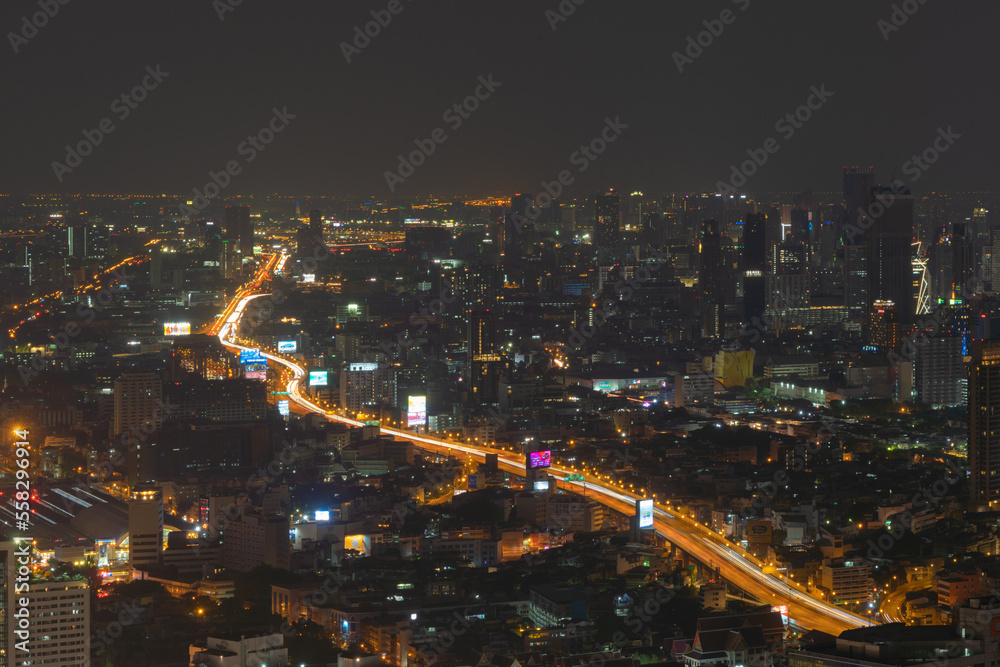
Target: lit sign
<point x="177" y="329"/>
<point x="322" y="515"/>
<point x="308" y="277"/>
<point x="644" y="510"/>
<point x="287" y="346"/>
<point x="283" y="408"/>
<point x="367" y="366"/>
<point x="542" y="485"/>
<point x="540" y="459"/>
<point x="318" y="378"/>
<point x="252" y="357"/>
<point x="255" y="375"/>
<point x="416" y="414"/>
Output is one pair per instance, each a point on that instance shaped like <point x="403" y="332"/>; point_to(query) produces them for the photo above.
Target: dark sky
<point x="610" y="58"/>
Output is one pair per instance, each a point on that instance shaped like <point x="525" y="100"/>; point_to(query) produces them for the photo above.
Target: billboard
<point x="540" y="459"/>
<point x="176" y="328"/>
<point x="759" y="532"/>
<point x="644" y="512"/>
<point x="308" y="277"/>
<point x="363" y="366"/>
<point x="255" y="375"/>
<point x="287" y="346"/>
<point x="283" y="408"/>
<point x="362" y="543"/>
<point x="322" y="515"/>
<point x="542" y="485"/>
<point x="474" y="481"/>
<point x="416" y="414"/>
<point x="252" y="357"/>
<point x="318" y="378"/>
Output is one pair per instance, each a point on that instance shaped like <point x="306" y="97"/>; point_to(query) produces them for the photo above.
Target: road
<point x="891" y="609"/>
<point x="735" y="565"/>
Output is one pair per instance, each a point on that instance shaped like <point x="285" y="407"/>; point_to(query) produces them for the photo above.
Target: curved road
<point x="735" y="565"/>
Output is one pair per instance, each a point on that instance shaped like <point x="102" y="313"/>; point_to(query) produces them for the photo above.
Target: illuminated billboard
<point x="540" y="459"/>
<point x="176" y="328"/>
<point x="308" y="277"/>
<point x="360" y="543"/>
<point x="322" y="515"/>
<point x="255" y="375"/>
<point x="318" y="378"/>
<point x="363" y="366"/>
<point x="287" y="346"/>
<point x="416" y="414"/>
<point x="644" y="512"/>
<point x="542" y="485"/>
<point x="252" y="357"/>
<point x="283" y="408"/>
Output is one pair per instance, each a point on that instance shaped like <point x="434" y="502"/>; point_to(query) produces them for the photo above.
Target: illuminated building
<point x="485" y="363"/>
<point x="607" y="220"/>
<point x="205" y="356"/>
<point x="145" y="527"/>
<point x="984" y="424"/>
<point x="883" y="327"/>
<point x="753" y="263"/>
<point x="239" y="227"/>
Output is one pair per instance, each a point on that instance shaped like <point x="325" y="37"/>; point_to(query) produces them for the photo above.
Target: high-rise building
<point x="984" y="424"/>
<point x="607" y="220"/>
<point x="963" y="264"/>
<point x="883" y="327"/>
<point x="145" y="527"/>
<point x="485" y="362"/>
<point x="712" y="280"/>
<point x="858" y="183"/>
<point x="365" y="384"/>
<point x="753" y="263"/>
<point x="58" y="623"/>
<point x="138" y="409"/>
<point x="890" y="247"/>
<point x="256" y="538"/>
<point x="239" y="226"/>
<point x="940" y="377"/>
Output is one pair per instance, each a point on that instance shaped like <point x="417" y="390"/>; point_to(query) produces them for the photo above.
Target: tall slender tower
<point x="984" y="424"/>
<point x="753" y="265"/>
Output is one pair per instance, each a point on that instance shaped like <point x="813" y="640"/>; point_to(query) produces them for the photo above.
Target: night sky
<point x="607" y="59"/>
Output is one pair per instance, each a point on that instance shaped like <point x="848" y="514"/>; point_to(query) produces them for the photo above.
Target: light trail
<point x="739" y="567"/>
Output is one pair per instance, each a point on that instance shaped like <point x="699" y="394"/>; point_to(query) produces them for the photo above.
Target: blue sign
<point x="252" y="357"/>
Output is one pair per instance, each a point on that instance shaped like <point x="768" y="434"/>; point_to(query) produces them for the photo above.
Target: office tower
<point x="858" y="183"/>
<point x="984" y="424"/>
<point x="883" y="327"/>
<point x="254" y="538"/>
<point x="992" y="267"/>
<point x="309" y="242"/>
<point x="753" y="264"/>
<point x="204" y="356"/>
<point x="138" y="411"/>
<point x="145" y="527"/>
<point x="365" y="384"/>
<point x="59" y="623"/>
<point x="712" y="277"/>
<point x="826" y="243"/>
<point x="607" y="220"/>
<point x="787" y="284"/>
<point x="963" y="263"/>
<point x="939" y="372"/>
<point x="485" y="362"/>
<point x="238" y="226"/>
<point x="889" y="241"/>
<point x="233" y="400"/>
<point x="517" y="222"/>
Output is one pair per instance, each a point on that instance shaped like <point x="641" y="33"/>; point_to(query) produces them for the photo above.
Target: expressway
<point x="734" y="564"/>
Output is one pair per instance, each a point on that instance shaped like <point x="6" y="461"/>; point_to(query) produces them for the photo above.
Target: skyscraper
<point x="858" y="183"/>
<point x="145" y="527"/>
<point x="883" y="327"/>
<point x="890" y="247"/>
<point x="239" y="226"/>
<point x="712" y="277"/>
<point x="753" y="264"/>
<point x="984" y="424"/>
<point x="138" y="410"/>
<point x="484" y="359"/>
<point x="607" y="220"/>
